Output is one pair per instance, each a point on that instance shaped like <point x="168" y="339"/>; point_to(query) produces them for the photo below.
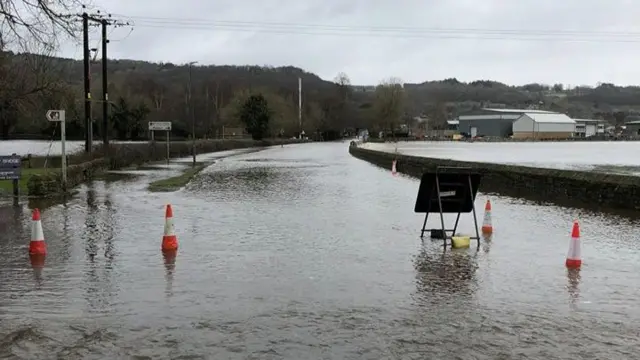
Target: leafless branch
<point x="41" y="20"/>
<point x="29" y="73"/>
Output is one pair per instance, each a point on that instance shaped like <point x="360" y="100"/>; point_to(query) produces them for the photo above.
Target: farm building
<point x="492" y="122"/>
<point x="632" y="127"/>
<point x="589" y="127"/>
<point x="543" y="126"/>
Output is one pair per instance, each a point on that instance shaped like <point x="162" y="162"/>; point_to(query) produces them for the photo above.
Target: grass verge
<point x="176" y="182"/>
<point x="6" y="186"/>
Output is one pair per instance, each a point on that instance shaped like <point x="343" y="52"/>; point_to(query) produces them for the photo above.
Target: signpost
<point x="10" y="170"/>
<point x="161" y="126"/>
<point x="59" y="116"/>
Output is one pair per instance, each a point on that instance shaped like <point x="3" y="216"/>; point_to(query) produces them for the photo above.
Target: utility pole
<point x="96" y="19"/>
<point x="300" y="105"/>
<point x="88" y="128"/>
<point x="105" y="83"/>
<point x="193" y="117"/>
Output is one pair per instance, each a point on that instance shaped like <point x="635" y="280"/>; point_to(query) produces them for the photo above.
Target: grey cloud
<point x="414" y="58"/>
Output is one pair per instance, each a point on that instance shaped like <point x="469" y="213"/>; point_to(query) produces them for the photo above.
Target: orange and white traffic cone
<point x="487" y="227"/>
<point x="394" y="171"/>
<point x="574" y="257"/>
<point x="37" y="246"/>
<point x="169" y="240"/>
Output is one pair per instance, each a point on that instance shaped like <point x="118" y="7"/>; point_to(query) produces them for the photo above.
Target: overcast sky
<point x="331" y="36"/>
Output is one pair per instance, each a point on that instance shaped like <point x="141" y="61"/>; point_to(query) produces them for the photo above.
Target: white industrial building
<point x="543" y="126"/>
<point x="491" y="122"/>
<point x="589" y="127"/>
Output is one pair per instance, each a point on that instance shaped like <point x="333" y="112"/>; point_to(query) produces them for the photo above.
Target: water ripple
<point x="304" y="252"/>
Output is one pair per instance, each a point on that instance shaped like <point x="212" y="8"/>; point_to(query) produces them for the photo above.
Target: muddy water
<point x="304" y="252"/>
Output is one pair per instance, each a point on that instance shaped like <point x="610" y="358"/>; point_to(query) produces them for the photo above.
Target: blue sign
<point x="10" y="167"/>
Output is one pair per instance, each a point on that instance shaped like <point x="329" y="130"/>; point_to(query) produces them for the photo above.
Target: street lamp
<point x="193" y="117"/>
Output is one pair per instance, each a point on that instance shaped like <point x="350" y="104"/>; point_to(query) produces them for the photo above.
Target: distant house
<point x="589" y="127"/>
<point x="453" y="125"/>
<point x="543" y="126"/>
<point x="234" y="133"/>
<point x="632" y="127"/>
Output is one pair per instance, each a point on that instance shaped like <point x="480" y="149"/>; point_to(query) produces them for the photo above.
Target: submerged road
<point x="305" y="252"/>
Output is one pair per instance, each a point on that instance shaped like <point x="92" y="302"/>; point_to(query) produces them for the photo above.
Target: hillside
<point x="160" y="92"/>
<point x="607" y="101"/>
<point x="140" y="91"/>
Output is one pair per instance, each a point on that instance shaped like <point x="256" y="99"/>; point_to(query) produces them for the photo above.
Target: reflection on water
<point x="109" y="223"/>
<point x="100" y="223"/>
<point x="486" y="242"/>
<point x="573" y="282"/>
<point x="449" y="272"/>
<point x="11" y="220"/>
<point x="250" y="182"/>
<point x="169" y="267"/>
<point x="91" y="230"/>
<point x="37" y="264"/>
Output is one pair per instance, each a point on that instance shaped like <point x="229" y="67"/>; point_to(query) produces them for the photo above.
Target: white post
<point x="300" y="105"/>
<point x="168" y="135"/>
<point x="64" y="153"/>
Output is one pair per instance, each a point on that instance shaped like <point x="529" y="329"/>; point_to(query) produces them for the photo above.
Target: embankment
<point x="120" y="155"/>
<point x="593" y="190"/>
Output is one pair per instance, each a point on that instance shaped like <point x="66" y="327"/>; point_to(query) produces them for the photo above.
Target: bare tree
<point x="342" y="79"/>
<point x="26" y="78"/>
<point x="338" y="108"/>
<point x="215" y="96"/>
<point x="389" y="103"/>
<point x="38" y="19"/>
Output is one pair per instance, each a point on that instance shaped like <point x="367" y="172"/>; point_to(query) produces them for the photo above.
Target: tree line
<point x="214" y="97"/>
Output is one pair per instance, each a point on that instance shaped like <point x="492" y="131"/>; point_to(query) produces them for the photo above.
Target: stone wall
<point x="592" y="190"/>
<point x="120" y="155"/>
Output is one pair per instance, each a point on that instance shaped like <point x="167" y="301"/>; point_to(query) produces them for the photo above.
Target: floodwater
<point x="43" y="147"/>
<point x="38" y="147"/>
<point x="605" y="156"/>
<point x="305" y="252"/>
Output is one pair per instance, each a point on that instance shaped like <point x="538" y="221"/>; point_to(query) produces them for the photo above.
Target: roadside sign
<point x="159" y="125"/>
<point x="59" y="116"/>
<point x="10" y="167"/>
<point x="56" y="115"/>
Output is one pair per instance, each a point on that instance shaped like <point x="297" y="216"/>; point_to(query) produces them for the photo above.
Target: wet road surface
<point x="305" y="252"/>
<point x="602" y="156"/>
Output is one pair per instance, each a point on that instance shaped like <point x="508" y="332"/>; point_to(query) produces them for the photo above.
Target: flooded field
<point x="43" y="147"/>
<point x="305" y="252"/>
<point x="38" y="147"/>
<point x="606" y="156"/>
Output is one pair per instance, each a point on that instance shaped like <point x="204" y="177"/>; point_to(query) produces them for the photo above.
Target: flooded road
<point x="602" y="156"/>
<point x="305" y="252"/>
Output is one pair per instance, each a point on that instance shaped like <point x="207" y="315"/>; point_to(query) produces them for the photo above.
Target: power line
<point x="104" y="21"/>
<point x="369" y="31"/>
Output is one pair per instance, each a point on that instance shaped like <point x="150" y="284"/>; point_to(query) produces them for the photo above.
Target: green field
<point x="177" y="182"/>
<point x="6" y="186"/>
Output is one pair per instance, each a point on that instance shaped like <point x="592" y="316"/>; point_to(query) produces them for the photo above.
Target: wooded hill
<point x="140" y="91"/>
